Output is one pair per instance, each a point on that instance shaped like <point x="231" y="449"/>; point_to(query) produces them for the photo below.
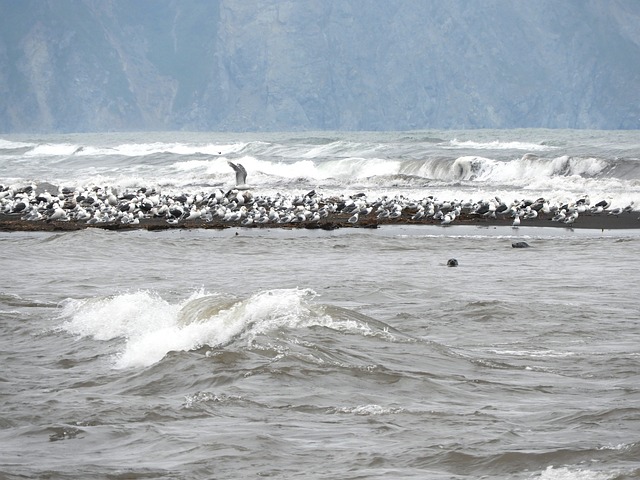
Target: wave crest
<point x="151" y="327"/>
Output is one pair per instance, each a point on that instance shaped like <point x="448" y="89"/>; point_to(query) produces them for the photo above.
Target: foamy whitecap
<point x="519" y="164"/>
<point x="533" y="353"/>
<point x="11" y="145"/>
<point x="280" y="170"/>
<point x="497" y="145"/>
<point x="118" y="316"/>
<point x="565" y="473"/>
<point x="371" y="409"/>
<point x="150" y="327"/>
<point x="360" y="168"/>
<point x="471" y="168"/>
<point x="213" y="166"/>
<point x="52" y="149"/>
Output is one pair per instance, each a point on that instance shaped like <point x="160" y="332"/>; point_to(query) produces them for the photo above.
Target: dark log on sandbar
<point x="601" y="221"/>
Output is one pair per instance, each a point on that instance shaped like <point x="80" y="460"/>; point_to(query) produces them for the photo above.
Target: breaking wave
<point x="556" y="166"/>
<point x="151" y="327"/>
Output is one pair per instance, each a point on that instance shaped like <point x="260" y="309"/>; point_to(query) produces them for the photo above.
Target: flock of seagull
<point x="239" y="206"/>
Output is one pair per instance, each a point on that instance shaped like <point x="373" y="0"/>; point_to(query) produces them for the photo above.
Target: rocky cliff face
<point x="96" y="65"/>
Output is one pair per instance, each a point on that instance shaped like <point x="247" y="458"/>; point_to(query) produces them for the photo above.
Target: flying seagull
<point x="241" y="176"/>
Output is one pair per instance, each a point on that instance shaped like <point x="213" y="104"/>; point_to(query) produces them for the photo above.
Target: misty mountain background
<point x="290" y="65"/>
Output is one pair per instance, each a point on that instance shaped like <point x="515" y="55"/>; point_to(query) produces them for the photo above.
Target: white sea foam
<point x="11" y="145"/>
<point x="52" y="149"/>
<point x="213" y="166"/>
<point x="564" y="473"/>
<point x="522" y="171"/>
<point x="533" y="353"/>
<point x="126" y="315"/>
<point x="497" y="145"/>
<point x="375" y="165"/>
<point x="366" y="410"/>
<point x="282" y="170"/>
<point x="151" y="327"/>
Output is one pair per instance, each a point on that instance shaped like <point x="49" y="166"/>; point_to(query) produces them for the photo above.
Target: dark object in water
<point x="452" y="262"/>
<point x="520" y="245"/>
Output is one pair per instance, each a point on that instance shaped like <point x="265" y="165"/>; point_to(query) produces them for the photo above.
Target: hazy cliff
<point x="93" y="65"/>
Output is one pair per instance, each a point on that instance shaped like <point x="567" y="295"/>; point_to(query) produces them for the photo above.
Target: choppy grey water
<point x="313" y="354"/>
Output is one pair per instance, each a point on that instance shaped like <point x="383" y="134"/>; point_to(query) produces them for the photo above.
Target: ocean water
<point x="560" y="165"/>
<point x="354" y="353"/>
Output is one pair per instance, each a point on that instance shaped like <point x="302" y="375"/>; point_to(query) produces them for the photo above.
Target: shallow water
<point x="314" y="354"/>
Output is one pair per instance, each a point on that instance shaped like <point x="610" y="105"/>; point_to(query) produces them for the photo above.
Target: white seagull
<point x="241" y="176"/>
